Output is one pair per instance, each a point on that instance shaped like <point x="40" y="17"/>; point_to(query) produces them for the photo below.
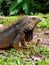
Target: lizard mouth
<point x="28" y="35"/>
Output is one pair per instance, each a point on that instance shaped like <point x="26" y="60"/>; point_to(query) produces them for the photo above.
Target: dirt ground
<point x="42" y="34"/>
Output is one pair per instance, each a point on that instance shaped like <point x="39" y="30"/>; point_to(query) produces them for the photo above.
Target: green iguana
<point x="20" y="31"/>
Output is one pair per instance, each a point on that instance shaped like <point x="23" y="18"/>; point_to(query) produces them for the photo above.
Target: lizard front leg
<point x="16" y="43"/>
<point x="23" y="43"/>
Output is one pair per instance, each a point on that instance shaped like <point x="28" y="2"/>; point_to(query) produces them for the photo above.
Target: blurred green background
<point x="28" y="7"/>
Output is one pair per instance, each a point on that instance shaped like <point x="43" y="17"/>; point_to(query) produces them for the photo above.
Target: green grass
<point x="12" y="57"/>
<point x="8" y="19"/>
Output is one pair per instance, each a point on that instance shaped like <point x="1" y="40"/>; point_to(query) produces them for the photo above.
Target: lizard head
<point x="29" y="27"/>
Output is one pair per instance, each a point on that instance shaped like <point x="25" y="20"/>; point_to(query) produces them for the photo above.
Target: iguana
<point x="20" y="31"/>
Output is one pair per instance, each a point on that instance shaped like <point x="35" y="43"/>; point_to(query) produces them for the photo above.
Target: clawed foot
<point x="19" y="49"/>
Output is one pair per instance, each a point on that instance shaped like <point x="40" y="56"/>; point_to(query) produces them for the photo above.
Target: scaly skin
<point x="20" y="31"/>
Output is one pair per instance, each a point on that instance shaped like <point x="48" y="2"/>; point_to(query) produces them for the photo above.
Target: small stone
<point x="46" y="32"/>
